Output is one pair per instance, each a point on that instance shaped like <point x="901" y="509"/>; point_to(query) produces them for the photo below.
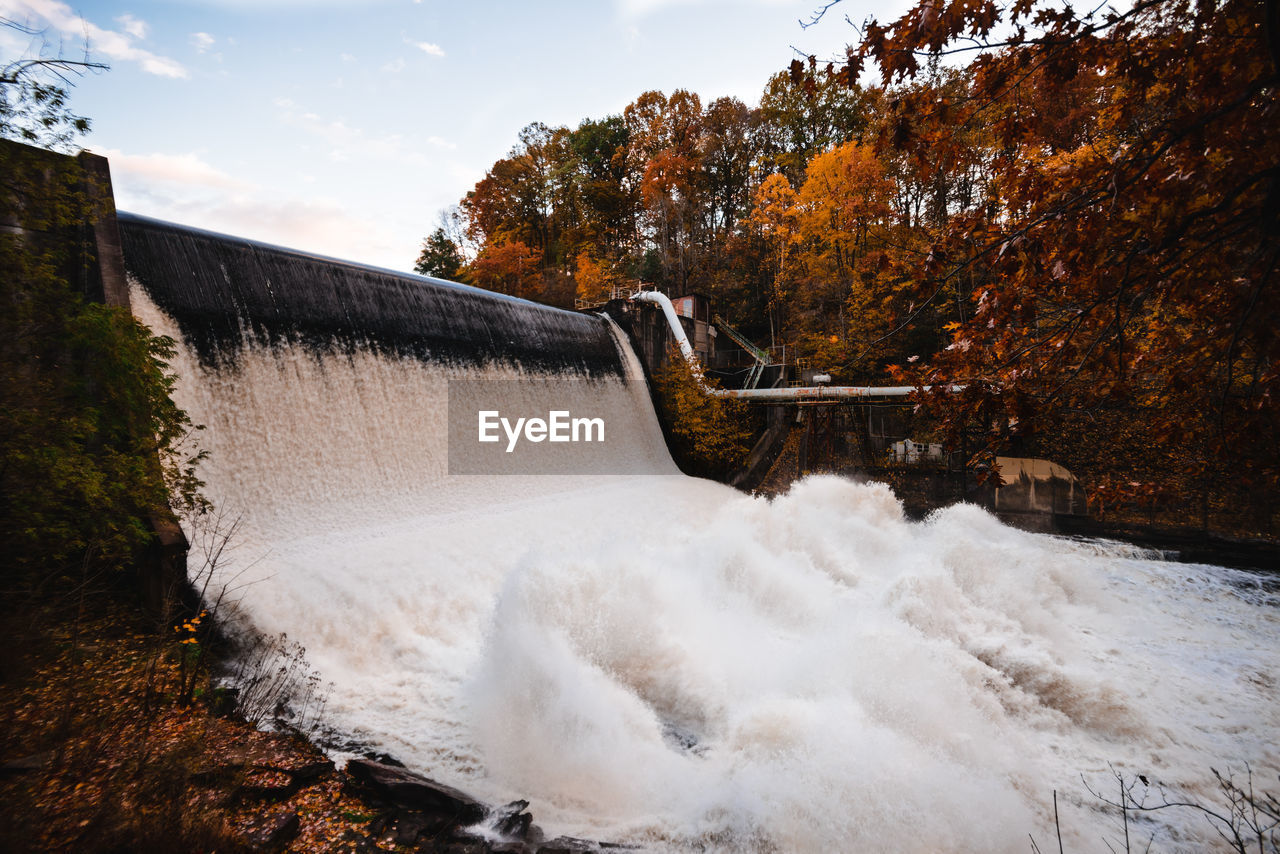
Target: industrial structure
<point x="816" y="426"/>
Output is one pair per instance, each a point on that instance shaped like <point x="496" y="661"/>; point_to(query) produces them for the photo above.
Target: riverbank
<point x="100" y="753"/>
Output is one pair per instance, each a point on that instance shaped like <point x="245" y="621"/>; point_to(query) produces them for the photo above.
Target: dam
<point x="653" y="659"/>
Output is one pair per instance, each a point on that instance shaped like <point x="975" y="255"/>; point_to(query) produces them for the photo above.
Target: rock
<point x="376" y="828"/>
<point x="308" y="774"/>
<point x="224" y="702"/>
<point x="219" y="774"/>
<point x="356" y="843"/>
<point x="267" y="783"/>
<point x="512" y="821"/>
<point x="573" y="845"/>
<point x="274" y="833"/>
<point x="383" y="759"/>
<point x="408" y="829"/>
<point x="510" y="848"/>
<point x="568" y="845"/>
<point x="269" y="793"/>
<point x="404" y="788"/>
<point x="465" y="848"/>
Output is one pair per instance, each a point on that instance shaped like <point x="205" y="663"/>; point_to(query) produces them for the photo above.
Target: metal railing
<point x="615" y="292"/>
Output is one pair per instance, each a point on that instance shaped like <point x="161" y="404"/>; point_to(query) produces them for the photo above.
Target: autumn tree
<point x="593" y="278"/>
<point x="775" y="216"/>
<point x="510" y="267"/>
<point x="665" y="137"/>
<point x="662" y="193"/>
<point x="844" y="196"/>
<point x="1127" y="251"/>
<point x="518" y="199"/>
<point x="710" y="435"/>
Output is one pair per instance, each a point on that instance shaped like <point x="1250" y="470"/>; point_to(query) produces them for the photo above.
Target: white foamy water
<point x="666" y="662"/>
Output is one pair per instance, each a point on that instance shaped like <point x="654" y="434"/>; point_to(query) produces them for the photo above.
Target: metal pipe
<point x="677" y="330"/>
<point x="768" y="395"/>
<point x="813" y="392"/>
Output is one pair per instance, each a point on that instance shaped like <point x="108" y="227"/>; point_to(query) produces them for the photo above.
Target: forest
<point x="1074" y="215"/>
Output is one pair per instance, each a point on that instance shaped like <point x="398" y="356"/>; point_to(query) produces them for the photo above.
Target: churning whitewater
<point x="662" y="661"/>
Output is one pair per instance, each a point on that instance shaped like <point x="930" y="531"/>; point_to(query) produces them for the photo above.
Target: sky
<point x="345" y="127"/>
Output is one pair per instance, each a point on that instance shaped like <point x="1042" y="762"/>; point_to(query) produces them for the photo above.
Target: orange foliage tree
<point x="710" y="435"/>
<point x="509" y="268"/>
<point x="775" y="218"/>
<point x="844" y="197"/>
<point x="1126" y="255"/>
<point x="593" y="278"/>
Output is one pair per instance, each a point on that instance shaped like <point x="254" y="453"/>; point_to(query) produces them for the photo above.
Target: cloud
<point x="132" y="26"/>
<point x="185" y="188"/>
<point x="640" y="8"/>
<point x="202" y="41"/>
<point x="102" y="43"/>
<point x="394" y="67"/>
<point x="187" y="170"/>
<point x="351" y="143"/>
<point x="427" y="47"/>
<point x="310" y="224"/>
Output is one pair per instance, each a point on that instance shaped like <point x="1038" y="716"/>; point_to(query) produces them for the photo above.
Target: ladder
<point x="761" y="357"/>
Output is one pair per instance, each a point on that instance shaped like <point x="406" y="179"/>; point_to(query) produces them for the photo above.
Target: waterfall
<point x="659" y="660"/>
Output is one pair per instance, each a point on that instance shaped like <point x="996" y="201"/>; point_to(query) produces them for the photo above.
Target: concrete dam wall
<point x="221" y="289"/>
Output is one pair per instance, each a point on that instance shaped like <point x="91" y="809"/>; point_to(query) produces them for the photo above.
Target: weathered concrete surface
<point x="105" y="229"/>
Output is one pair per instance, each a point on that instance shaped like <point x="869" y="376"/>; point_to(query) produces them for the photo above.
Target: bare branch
<point x="818" y="15"/>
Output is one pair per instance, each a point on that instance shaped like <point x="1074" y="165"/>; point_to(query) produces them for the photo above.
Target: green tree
<point x="609" y="205"/>
<point x="440" y="257"/>
<point x="34" y="104"/>
<point x="806" y="110"/>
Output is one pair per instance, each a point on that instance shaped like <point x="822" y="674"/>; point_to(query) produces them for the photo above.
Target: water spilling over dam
<point x="658" y="660"/>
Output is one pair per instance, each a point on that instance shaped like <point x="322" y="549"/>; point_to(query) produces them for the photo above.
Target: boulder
<point x="511" y="821"/>
<point x="406" y="789"/>
<point x="273" y="833"/>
